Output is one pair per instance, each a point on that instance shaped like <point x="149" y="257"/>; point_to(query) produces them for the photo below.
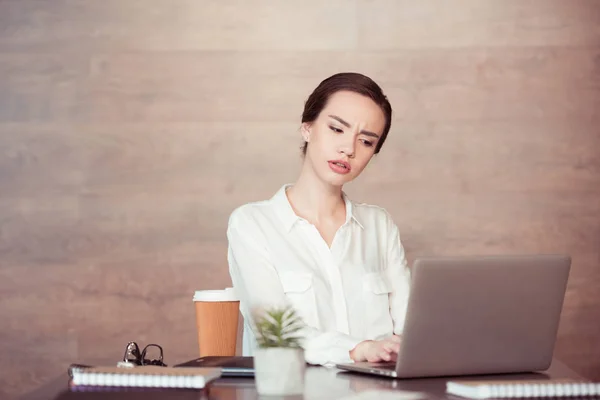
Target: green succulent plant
<point x="278" y="327"/>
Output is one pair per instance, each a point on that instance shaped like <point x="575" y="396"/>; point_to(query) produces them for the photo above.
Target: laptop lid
<point x="479" y="315"/>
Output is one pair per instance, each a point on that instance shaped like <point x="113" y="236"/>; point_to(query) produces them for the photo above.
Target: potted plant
<point x="279" y="359"/>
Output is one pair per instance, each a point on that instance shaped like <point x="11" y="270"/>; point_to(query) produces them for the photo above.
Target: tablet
<point x="230" y="366"/>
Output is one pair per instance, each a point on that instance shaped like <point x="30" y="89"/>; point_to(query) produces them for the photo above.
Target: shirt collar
<point x="288" y="216"/>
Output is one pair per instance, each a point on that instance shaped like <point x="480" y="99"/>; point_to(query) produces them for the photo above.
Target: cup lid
<point x="227" y="294"/>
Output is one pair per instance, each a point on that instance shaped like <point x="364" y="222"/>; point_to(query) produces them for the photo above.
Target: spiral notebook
<point x="523" y="389"/>
<point x="147" y="376"/>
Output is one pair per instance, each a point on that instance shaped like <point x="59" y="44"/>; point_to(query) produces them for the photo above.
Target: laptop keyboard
<point x="390" y="366"/>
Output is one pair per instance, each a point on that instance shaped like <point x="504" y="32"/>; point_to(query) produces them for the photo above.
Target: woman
<point x="340" y="264"/>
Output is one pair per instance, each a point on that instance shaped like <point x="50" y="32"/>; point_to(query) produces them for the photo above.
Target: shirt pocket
<point x="376" y="290"/>
<point x="377" y="283"/>
<point x="299" y="289"/>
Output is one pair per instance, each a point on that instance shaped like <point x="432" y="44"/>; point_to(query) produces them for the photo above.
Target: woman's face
<point x="344" y="136"/>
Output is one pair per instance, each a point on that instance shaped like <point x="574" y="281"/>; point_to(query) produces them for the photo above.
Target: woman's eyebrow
<point x="347" y="125"/>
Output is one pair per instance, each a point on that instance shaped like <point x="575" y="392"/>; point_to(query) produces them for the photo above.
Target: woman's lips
<point x="339" y="166"/>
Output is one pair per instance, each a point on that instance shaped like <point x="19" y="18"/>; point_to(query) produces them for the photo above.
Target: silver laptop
<point x="479" y="315"/>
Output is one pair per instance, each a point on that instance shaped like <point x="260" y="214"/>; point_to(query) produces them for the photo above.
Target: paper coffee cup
<point x="217" y="313"/>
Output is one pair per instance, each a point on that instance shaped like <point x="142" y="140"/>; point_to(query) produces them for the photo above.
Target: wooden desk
<point x="320" y="384"/>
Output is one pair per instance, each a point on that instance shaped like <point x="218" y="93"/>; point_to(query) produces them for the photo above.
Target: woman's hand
<point x="377" y="350"/>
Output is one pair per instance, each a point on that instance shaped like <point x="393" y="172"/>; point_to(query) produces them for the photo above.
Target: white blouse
<point x="356" y="290"/>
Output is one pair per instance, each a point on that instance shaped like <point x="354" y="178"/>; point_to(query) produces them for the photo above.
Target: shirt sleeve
<point x="399" y="276"/>
<point x="258" y="286"/>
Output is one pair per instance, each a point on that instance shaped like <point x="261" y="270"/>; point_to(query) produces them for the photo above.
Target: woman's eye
<point x="336" y="130"/>
<point x="367" y="143"/>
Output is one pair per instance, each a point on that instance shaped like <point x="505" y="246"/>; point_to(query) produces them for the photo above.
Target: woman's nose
<point x="348" y="147"/>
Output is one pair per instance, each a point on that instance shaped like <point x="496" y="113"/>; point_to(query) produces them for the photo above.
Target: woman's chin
<point x="337" y="179"/>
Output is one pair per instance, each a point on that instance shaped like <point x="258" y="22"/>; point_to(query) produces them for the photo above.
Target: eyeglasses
<point x="134" y="356"/>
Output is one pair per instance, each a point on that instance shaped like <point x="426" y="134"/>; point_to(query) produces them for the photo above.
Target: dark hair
<point x="353" y="82"/>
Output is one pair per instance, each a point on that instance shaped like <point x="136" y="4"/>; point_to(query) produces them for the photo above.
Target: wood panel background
<point x="130" y="129"/>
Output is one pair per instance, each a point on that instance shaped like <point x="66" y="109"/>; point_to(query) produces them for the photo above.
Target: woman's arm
<point x="257" y="284"/>
<point x="399" y="276"/>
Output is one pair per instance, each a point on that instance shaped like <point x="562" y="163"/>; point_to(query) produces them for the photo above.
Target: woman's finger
<point x="385" y="356"/>
<point x="395" y="338"/>
<point x="389" y="347"/>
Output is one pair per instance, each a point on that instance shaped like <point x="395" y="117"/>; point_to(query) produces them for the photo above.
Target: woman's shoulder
<point x="260" y="211"/>
<point x="249" y="211"/>
<point x="371" y="210"/>
<point x="372" y="214"/>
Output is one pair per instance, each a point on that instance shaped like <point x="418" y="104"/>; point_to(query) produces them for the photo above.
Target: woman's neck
<point x="315" y="200"/>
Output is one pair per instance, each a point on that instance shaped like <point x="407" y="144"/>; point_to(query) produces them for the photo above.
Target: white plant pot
<point x="279" y="371"/>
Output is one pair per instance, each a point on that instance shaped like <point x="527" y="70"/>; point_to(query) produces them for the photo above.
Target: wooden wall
<point x="130" y="129"/>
